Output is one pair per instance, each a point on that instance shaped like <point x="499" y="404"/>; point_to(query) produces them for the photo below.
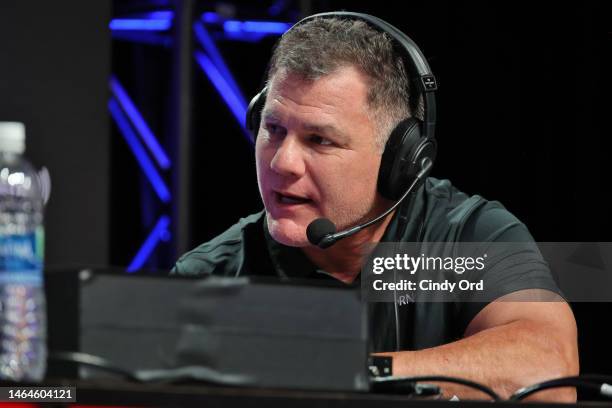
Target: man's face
<point x="316" y="154"/>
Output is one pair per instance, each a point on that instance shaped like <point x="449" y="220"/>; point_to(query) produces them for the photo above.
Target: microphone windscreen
<point x="318" y="229"/>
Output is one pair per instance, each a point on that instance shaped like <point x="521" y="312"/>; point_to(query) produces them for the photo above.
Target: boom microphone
<point x="319" y="229"/>
<point x="322" y="232"/>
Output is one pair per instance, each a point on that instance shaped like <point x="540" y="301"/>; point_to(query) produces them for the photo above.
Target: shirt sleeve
<point x="222" y="256"/>
<point x="218" y="258"/>
<point x="516" y="266"/>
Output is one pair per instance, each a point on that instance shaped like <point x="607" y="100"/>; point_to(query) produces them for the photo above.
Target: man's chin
<point x="287" y="232"/>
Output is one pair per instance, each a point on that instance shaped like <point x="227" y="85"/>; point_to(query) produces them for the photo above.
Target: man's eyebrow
<point x="321" y="128"/>
<point x="328" y="130"/>
<point x="269" y="115"/>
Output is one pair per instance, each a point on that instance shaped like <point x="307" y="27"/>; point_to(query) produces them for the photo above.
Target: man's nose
<point x="288" y="160"/>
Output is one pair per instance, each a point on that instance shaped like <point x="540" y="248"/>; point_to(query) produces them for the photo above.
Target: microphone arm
<point x="330" y="239"/>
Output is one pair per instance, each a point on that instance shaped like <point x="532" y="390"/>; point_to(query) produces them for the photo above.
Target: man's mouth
<point x="290" y="199"/>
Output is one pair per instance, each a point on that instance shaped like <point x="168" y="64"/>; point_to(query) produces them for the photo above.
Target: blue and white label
<point x="21" y="258"/>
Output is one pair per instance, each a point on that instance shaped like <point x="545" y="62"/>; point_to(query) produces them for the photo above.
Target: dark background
<point x="523" y="118"/>
<point x="54" y="65"/>
<point x="522" y="111"/>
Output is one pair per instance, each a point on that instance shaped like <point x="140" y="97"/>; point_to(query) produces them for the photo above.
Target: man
<point x="336" y="89"/>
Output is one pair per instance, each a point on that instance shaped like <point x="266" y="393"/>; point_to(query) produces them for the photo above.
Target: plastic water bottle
<point x="23" y="328"/>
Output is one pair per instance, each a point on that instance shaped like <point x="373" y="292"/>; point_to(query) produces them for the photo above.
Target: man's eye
<point x="316" y="139"/>
<point x="273" y="129"/>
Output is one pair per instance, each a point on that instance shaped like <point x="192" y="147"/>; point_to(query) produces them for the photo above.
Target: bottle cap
<point x="12" y="137"/>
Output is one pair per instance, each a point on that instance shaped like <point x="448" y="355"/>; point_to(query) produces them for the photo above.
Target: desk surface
<point x="115" y="392"/>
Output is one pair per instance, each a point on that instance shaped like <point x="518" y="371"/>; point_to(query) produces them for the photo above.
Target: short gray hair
<point x="321" y="46"/>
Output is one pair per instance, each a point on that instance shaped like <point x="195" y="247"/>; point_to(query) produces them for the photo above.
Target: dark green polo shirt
<point x="437" y="212"/>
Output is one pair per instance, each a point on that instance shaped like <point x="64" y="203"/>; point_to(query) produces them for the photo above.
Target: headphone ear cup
<point x="395" y="161"/>
<point x="253" y="114"/>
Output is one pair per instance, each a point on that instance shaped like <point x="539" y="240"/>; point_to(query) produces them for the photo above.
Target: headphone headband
<point x="418" y="68"/>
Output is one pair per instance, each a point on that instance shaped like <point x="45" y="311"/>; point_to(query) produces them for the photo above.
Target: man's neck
<point x="343" y="260"/>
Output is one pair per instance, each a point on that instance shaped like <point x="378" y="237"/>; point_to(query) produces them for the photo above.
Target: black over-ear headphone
<point x="412" y="142"/>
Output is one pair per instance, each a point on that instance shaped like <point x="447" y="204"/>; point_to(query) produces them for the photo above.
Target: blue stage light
<point x="213" y="53"/>
<point x="211" y="18"/>
<point x="139" y="152"/>
<point x="143" y="24"/>
<point x="261" y="27"/>
<point x="158" y="15"/>
<point x="237" y="107"/>
<point x="144" y="37"/>
<point x="245" y="30"/>
<point x="158" y="233"/>
<point x="139" y="123"/>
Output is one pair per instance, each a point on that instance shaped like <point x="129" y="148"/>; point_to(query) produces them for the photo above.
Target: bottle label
<point x="21" y="258"/>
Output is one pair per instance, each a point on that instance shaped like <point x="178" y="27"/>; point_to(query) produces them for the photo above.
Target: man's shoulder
<point x="223" y="255"/>
<point x="463" y="217"/>
<point x="455" y="217"/>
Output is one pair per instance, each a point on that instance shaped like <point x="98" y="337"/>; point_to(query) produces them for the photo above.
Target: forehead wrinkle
<point x="290" y="88"/>
<point x="303" y="100"/>
<point x="285" y="78"/>
<point x="326" y="108"/>
<point x="269" y="114"/>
